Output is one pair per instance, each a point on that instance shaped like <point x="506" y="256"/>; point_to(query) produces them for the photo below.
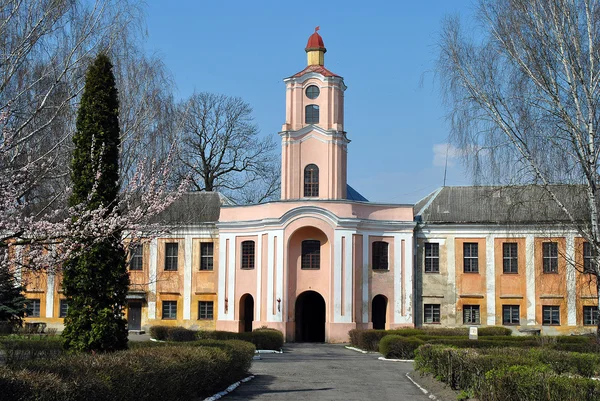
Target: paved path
<point x="327" y="372"/>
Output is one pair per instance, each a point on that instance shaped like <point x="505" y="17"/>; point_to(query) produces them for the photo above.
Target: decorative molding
<point x="471" y="296"/>
<point x="552" y="296"/>
<point x="511" y="296"/>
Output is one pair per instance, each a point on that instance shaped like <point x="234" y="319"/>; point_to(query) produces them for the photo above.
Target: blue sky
<point x="385" y="50"/>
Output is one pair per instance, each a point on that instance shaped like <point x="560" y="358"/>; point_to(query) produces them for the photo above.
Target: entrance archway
<point x="246" y="312"/>
<point x="310" y="317"/>
<point x="379" y="312"/>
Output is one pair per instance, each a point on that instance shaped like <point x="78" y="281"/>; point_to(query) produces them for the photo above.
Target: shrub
<point x="494" y="331"/>
<point x="586" y="365"/>
<point x="177" y="372"/>
<point x="180" y="334"/>
<point x="262" y="338"/>
<point x="367" y="340"/>
<point x="395" y="346"/>
<point x="18" y="350"/>
<point x="159" y="332"/>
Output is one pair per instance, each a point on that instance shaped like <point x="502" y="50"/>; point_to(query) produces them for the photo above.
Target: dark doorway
<point x="379" y="310"/>
<point x="247" y="312"/>
<point x="310" y="317"/>
<point x="134" y="316"/>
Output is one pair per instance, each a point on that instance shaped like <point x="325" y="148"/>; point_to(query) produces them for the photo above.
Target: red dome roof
<point x="315" y="42"/>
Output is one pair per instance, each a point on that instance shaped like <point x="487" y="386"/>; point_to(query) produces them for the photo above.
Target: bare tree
<point x="524" y="98"/>
<point x="219" y="145"/>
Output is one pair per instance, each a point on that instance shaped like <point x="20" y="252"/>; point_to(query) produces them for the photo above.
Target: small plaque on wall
<point x="473" y="333"/>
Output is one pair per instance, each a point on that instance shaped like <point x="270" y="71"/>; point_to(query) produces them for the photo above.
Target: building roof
<point x="319" y="69"/>
<point x="521" y="204"/>
<point x="353" y="195"/>
<point x="315" y="42"/>
<point x="193" y="208"/>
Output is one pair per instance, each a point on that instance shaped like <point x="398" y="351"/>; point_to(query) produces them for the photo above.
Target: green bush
<point x="367" y="340"/>
<point x="586" y="365"/>
<point x="180" y="334"/>
<point x="177" y="372"/>
<point x="18" y="350"/>
<point x="159" y="332"/>
<point x="399" y="347"/>
<point x="262" y="338"/>
<point x="494" y="331"/>
<point x="483" y="343"/>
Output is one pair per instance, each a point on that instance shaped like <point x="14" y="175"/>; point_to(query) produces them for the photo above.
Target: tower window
<point x="248" y="255"/>
<point x="311" y="114"/>
<point x="311" y="254"/>
<point x="312" y="92"/>
<point x="311" y="180"/>
<point x="380" y="255"/>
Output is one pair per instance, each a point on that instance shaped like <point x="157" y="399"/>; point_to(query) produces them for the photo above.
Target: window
<point x="588" y="258"/>
<point x="432" y="313"/>
<point x="206" y="255"/>
<point x="509" y="255"/>
<point x="379" y="255"/>
<point x="33" y="307"/>
<point x="311" y="180"/>
<point x="590" y="315"/>
<point x="551" y="315"/>
<point x="171" y="250"/>
<point x="470" y="252"/>
<point x="169" y="310"/>
<point x="550" y="257"/>
<point x="510" y="314"/>
<point x="471" y="314"/>
<point x="63" y="308"/>
<point x="312" y="92"/>
<point x="432" y="257"/>
<point x="205" y="310"/>
<point x="311" y="254"/>
<point x="248" y="255"/>
<point x="311" y="114"/>
<point x="136" y="255"/>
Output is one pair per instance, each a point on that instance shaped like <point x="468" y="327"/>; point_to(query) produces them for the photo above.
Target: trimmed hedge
<point x="178" y="372"/>
<point x="18" y="350"/>
<point x="399" y="347"/>
<point x="262" y="338"/>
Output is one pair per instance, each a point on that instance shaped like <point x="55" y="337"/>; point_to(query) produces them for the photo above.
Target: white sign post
<point x="473" y="333"/>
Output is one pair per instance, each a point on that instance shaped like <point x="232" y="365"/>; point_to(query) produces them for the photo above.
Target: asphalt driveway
<point x="327" y="372"/>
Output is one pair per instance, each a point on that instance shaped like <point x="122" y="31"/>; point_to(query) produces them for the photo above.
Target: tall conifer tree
<point x="96" y="282"/>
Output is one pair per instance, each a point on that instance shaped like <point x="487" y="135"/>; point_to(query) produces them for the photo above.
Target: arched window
<point x="248" y="255"/>
<point x="380" y="255"/>
<point x="311" y="114"/>
<point x="311" y="254"/>
<point x="311" y="180"/>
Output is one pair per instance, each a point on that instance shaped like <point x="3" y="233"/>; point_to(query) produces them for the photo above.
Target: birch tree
<point x="523" y="88"/>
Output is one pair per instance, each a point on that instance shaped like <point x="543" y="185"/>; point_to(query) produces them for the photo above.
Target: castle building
<point x="323" y="260"/>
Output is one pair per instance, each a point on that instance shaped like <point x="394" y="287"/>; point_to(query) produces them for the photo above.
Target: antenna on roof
<point x="446" y="164"/>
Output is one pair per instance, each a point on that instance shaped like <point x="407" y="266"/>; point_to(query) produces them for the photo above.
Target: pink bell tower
<point x="314" y="143"/>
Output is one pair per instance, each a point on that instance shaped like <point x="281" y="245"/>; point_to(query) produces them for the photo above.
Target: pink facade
<point x="311" y="264"/>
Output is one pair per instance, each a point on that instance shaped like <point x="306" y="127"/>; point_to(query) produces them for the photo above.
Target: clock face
<point x="312" y="92"/>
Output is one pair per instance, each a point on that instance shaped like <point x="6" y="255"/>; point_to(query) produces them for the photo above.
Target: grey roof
<point x="501" y="204"/>
<point x="353" y="195"/>
<point x="193" y="208"/>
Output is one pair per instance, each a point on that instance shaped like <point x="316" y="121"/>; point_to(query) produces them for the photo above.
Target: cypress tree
<point x="12" y="301"/>
<point x="96" y="282"/>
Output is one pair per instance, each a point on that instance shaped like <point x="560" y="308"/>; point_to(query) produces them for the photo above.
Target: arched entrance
<point x="379" y="312"/>
<point x="310" y="317"/>
<point x="246" y="312"/>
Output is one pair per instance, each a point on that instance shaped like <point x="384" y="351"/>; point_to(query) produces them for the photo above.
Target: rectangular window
<point x="509" y="257"/>
<point x="510" y="314"/>
<point x="63" y="309"/>
<point x="311" y="254"/>
<point x="171" y="252"/>
<point x="379" y="257"/>
<point x="551" y="315"/>
<point x="206" y="255"/>
<point x="33" y="308"/>
<point x="136" y="255"/>
<point x="432" y="257"/>
<point x="550" y="257"/>
<point x="169" y="310"/>
<point x="470" y="255"/>
<point x="471" y="314"/>
<point x="431" y="313"/>
<point x="205" y="310"/>
<point x="588" y="258"/>
<point x="590" y="315"/>
<point x="248" y="255"/>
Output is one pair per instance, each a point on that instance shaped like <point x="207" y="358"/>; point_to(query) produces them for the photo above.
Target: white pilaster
<point x="274" y="275"/>
<point x="279" y="288"/>
<point x="398" y="278"/>
<point x="258" y="299"/>
<point x="50" y="294"/>
<point x="571" y="282"/>
<point x="408" y="279"/>
<point x="348" y="274"/>
<point x="19" y="269"/>
<point x="231" y="278"/>
<point x="187" y="278"/>
<point x="451" y="266"/>
<point x="365" y="278"/>
<point x="223" y="266"/>
<point x="490" y="280"/>
<point x="530" y="277"/>
<point x="152" y="277"/>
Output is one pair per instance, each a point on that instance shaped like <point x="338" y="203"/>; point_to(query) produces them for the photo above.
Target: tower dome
<point x="315" y="49"/>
